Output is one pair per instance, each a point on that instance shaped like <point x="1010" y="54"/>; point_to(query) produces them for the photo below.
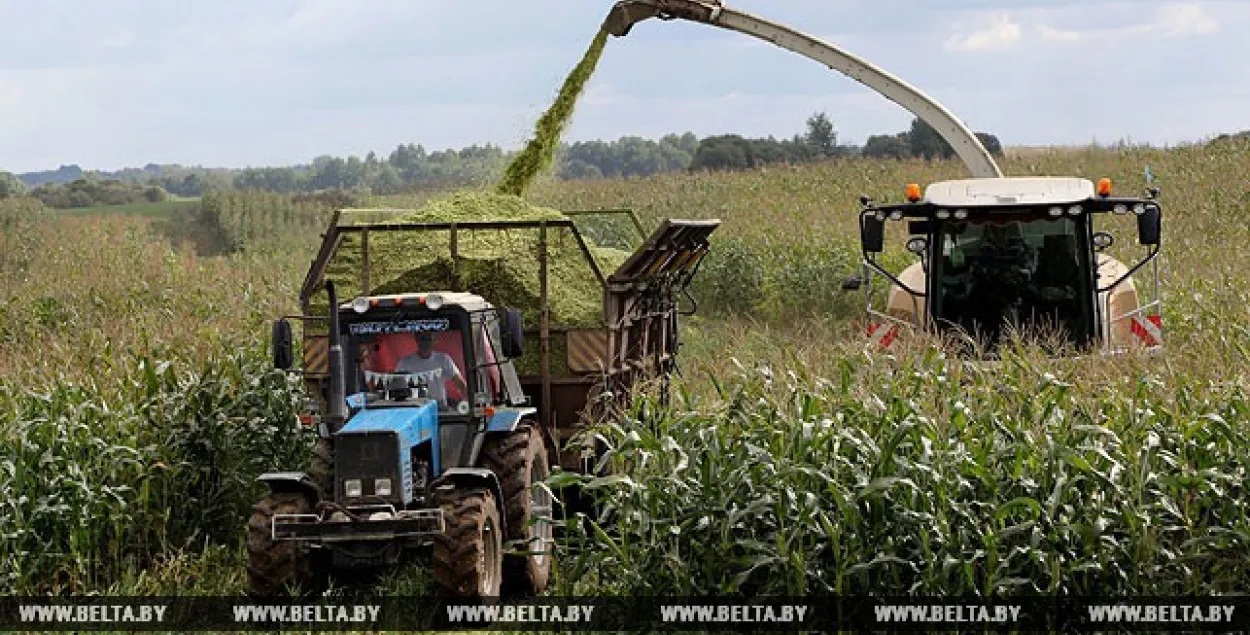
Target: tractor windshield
<point x="1028" y="273"/>
<point x="400" y="366"/>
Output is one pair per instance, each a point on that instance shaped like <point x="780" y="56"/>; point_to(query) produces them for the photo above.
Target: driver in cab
<point x="433" y="367"/>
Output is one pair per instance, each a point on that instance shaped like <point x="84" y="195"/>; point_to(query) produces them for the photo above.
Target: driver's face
<point x="425" y="345"/>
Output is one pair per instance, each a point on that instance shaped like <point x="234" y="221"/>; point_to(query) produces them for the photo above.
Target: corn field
<point x="136" y="405"/>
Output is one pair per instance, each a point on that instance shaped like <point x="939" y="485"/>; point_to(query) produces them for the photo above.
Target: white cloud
<point x="1184" y="20"/>
<point x="1057" y="35"/>
<point x="1171" y="20"/>
<point x="1001" y="35"/>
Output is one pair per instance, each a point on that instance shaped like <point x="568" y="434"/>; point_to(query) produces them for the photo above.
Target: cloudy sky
<point x="113" y="83"/>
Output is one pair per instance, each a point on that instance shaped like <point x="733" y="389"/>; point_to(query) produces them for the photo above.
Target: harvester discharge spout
<point x="626" y="13"/>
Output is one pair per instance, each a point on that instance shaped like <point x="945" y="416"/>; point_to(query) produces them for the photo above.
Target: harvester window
<point x="1024" y="272"/>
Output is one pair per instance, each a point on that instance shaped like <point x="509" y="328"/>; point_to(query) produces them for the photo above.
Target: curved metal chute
<point x="627" y="13"/>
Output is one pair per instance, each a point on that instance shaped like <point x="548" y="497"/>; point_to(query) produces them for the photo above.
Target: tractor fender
<point x="507" y="419"/>
<point x="291" y="483"/>
<point x="466" y="477"/>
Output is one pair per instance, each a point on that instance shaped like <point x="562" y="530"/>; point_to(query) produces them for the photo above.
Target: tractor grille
<point x="366" y="457"/>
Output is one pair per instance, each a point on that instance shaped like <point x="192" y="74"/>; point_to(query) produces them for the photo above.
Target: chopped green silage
<point x="501" y="265"/>
<point x="541" y="150"/>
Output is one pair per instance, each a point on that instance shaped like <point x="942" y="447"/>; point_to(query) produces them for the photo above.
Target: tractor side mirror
<point x="872" y="233"/>
<point x="852" y="283"/>
<point x="918" y="245"/>
<point x="283" y="348"/>
<point x="513" y="331"/>
<point x="1103" y="240"/>
<point x="1149" y="226"/>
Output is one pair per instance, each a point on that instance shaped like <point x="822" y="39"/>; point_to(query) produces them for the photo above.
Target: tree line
<point x="411" y="167"/>
<point x="87" y="192"/>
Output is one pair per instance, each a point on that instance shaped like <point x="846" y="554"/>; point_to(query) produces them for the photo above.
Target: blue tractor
<point x="428" y="439"/>
<point x="429" y="444"/>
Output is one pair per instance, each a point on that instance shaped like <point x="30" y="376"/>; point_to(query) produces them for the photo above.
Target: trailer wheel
<point x="273" y="566"/>
<point x="321" y="468"/>
<point x="467" y="556"/>
<point x="519" y="460"/>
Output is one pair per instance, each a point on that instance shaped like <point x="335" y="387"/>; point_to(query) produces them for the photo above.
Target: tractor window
<point x="487" y="370"/>
<point x="433" y="358"/>
<point x="1029" y="273"/>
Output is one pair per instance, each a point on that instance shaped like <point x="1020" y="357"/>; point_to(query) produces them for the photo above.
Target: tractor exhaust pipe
<point x="336" y="414"/>
<point x="626" y="13"/>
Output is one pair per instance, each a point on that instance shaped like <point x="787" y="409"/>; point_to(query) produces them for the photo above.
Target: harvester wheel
<point x="468" y="555"/>
<point x="321" y="468"/>
<point x="519" y="460"/>
<point x="272" y="566"/>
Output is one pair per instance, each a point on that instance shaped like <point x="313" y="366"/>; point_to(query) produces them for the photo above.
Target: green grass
<point x="163" y="209"/>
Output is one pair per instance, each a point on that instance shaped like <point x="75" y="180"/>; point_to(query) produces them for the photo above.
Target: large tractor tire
<point x="321" y="468"/>
<point x="519" y="460"/>
<point x="274" y="566"/>
<point x="468" y="556"/>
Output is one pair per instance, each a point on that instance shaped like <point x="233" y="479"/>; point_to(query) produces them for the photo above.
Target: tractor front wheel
<point x="468" y="554"/>
<point x="273" y="566"/>
<point x="519" y="460"/>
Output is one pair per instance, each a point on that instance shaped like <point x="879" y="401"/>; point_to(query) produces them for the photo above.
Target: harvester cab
<point x="1023" y="254"/>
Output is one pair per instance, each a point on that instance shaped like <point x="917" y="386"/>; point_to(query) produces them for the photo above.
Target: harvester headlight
<point x="880" y="215"/>
<point x="1075" y="210"/>
<point x="961" y="214"/>
<point x="352" y="488"/>
<point x="1055" y="211"/>
<point x="360" y="305"/>
<point x="382" y="486"/>
<point x="896" y="215"/>
<point x="434" y="302"/>
<point x="1120" y="209"/>
<point x="943" y="214"/>
<point x="1139" y="209"/>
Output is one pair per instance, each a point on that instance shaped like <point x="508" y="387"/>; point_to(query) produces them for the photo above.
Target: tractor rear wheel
<point x="468" y="554"/>
<point x="273" y="566"/>
<point x="519" y="460"/>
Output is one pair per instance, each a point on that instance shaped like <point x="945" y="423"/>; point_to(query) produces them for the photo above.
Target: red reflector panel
<point x="1148" y="329"/>
<point x="882" y="334"/>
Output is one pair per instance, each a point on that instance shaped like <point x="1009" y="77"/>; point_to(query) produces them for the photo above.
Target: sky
<point x="107" y="84"/>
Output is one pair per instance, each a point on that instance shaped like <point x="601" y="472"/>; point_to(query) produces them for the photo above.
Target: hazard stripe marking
<point x="1148" y="329"/>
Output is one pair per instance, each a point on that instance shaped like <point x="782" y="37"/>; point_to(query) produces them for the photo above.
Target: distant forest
<point x="410" y="167"/>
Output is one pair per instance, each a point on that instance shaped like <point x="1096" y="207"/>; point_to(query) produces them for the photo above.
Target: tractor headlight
<point x="1139" y="209"/>
<point x="1055" y="211"/>
<point x="943" y="214"/>
<point x="360" y="305"/>
<point x="961" y="214"/>
<point x="434" y="302"/>
<point x="1120" y="209"/>
<point x="352" y="488"/>
<point x="382" y="487"/>
<point x="1075" y="210"/>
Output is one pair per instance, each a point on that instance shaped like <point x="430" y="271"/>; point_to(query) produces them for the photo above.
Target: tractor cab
<point x="446" y="347"/>
<point x="1021" y="254"/>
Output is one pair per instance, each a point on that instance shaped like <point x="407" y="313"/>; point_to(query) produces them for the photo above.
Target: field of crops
<point x="136" y="406"/>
